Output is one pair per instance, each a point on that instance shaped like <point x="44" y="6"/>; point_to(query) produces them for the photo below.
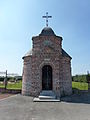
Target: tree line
<point x="81" y="78"/>
<point x="9" y="78"/>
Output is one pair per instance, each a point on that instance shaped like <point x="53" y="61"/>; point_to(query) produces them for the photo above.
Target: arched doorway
<point x="47" y="77"/>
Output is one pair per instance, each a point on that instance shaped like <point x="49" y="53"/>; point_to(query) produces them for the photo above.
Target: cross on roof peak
<point x="47" y="18"/>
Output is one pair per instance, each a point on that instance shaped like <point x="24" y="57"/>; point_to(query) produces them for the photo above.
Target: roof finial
<point x="47" y="18"/>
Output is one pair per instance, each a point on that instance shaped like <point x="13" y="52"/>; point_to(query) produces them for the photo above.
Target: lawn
<point x="12" y="85"/>
<point x="80" y="85"/>
<point x="18" y="85"/>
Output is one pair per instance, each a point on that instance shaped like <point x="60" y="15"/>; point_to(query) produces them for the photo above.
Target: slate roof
<point x="65" y="54"/>
<point x="47" y="31"/>
<point x="28" y="53"/>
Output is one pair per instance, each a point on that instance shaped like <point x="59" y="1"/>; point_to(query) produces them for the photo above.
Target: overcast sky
<point x="22" y="19"/>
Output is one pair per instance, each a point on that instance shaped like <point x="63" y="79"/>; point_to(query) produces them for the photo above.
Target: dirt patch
<point x="5" y="95"/>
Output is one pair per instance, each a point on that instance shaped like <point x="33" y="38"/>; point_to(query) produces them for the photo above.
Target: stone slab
<point x="46" y="97"/>
<point x="45" y="100"/>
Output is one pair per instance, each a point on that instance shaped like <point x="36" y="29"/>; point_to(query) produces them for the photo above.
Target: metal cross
<point x="47" y="18"/>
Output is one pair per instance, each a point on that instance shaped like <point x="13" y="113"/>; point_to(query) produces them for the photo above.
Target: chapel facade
<point x="47" y="66"/>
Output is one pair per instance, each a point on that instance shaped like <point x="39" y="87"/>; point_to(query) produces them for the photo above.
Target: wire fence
<point x="5" y="76"/>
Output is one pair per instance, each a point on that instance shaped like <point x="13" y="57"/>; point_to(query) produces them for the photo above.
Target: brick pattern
<point x="46" y="51"/>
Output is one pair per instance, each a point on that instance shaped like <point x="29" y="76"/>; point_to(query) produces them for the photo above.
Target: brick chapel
<point x="47" y="66"/>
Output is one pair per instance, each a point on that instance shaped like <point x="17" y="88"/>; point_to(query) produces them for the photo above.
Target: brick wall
<point x="46" y="51"/>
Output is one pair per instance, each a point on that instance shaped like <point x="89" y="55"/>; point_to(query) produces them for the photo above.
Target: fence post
<point x="5" y="81"/>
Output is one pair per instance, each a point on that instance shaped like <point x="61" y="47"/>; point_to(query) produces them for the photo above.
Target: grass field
<point x="80" y="85"/>
<point x="18" y="85"/>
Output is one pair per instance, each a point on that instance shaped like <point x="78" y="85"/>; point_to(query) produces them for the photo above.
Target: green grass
<point x="80" y="85"/>
<point x="1" y="85"/>
<point x="17" y="85"/>
<point x="89" y="86"/>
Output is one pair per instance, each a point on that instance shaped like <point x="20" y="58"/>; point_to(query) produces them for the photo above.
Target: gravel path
<point x="2" y="96"/>
<point x="20" y="107"/>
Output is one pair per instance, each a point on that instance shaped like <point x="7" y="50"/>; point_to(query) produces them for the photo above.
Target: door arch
<point x="47" y="77"/>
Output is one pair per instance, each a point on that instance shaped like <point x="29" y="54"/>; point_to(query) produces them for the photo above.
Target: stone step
<point x="47" y="97"/>
<point x="45" y="100"/>
<point x="47" y="93"/>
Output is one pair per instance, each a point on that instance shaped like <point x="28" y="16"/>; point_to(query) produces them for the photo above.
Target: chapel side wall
<point x="36" y="82"/>
<point x="67" y="79"/>
<point x="57" y="75"/>
<point x="27" y="77"/>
